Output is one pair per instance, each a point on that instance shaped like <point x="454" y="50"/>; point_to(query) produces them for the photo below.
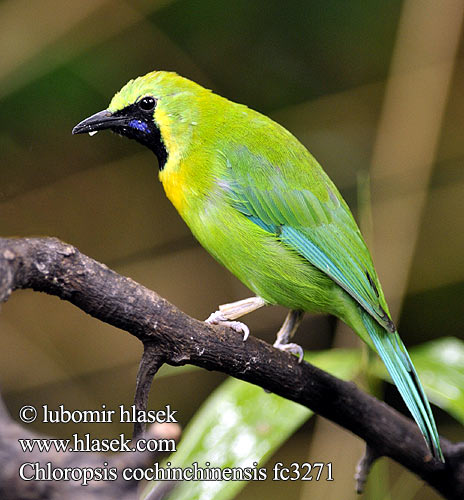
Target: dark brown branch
<point x="364" y="467"/>
<point x="151" y="362"/>
<point x="50" y="266"/>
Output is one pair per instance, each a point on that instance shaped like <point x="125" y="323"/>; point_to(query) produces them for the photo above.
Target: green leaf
<point x="440" y="365"/>
<point x="240" y="425"/>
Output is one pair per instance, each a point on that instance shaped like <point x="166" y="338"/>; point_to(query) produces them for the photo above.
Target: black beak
<point x="100" y="121"/>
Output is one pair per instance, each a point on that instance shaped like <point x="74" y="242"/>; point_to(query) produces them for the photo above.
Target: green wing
<point x="288" y="194"/>
<point x="294" y="199"/>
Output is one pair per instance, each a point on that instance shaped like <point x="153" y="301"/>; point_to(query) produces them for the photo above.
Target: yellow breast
<point x="173" y="175"/>
<point x="173" y="179"/>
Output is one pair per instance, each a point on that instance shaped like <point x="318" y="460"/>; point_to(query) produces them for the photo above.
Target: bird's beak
<point x="100" y="121"/>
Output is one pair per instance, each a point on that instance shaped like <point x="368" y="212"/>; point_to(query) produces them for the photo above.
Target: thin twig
<point x="364" y="467"/>
<point x="151" y="362"/>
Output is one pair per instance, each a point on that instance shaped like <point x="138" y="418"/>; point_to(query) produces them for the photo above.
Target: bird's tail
<point x="393" y="353"/>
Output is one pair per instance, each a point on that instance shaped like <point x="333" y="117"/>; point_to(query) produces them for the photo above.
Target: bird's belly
<point x="264" y="264"/>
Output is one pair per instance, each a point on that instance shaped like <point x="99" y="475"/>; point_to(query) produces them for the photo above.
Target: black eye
<point x="147" y="103"/>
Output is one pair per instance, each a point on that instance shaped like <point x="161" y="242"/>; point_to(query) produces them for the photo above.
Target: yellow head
<point x="152" y="109"/>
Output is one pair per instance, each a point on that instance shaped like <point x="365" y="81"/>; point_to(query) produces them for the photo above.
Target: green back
<point x="281" y="187"/>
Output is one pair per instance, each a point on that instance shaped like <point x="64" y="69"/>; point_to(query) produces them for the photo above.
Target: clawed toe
<point x="292" y="348"/>
<point x="218" y="318"/>
<point x="239" y="328"/>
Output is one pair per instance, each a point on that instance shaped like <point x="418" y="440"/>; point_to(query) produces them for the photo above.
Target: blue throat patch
<point x="139" y="125"/>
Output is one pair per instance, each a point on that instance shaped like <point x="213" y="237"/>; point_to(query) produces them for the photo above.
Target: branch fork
<point x="170" y="336"/>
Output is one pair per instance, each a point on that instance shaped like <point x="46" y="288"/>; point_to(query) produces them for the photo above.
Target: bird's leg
<point x="229" y="312"/>
<point x="286" y="332"/>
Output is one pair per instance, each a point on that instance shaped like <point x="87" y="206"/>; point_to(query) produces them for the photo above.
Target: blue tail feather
<point x="393" y="353"/>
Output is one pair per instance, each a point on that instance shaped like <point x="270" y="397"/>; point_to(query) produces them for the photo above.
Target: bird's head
<point x="155" y="110"/>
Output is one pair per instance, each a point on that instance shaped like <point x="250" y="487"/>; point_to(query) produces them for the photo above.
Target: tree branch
<point x="48" y="265"/>
<point x="364" y="467"/>
<point x="151" y="362"/>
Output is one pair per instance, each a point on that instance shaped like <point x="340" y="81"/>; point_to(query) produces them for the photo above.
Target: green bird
<point x="261" y="204"/>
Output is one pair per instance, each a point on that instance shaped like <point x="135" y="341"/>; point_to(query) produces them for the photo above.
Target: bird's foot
<point x="292" y="348"/>
<point x="286" y="332"/>
<point x="218" y="318"/>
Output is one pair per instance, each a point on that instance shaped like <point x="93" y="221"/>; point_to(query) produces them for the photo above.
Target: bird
<point x="260" y="203"/>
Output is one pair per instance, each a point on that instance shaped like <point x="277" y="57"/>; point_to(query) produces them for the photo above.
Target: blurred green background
<point x="369" y="87"/>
